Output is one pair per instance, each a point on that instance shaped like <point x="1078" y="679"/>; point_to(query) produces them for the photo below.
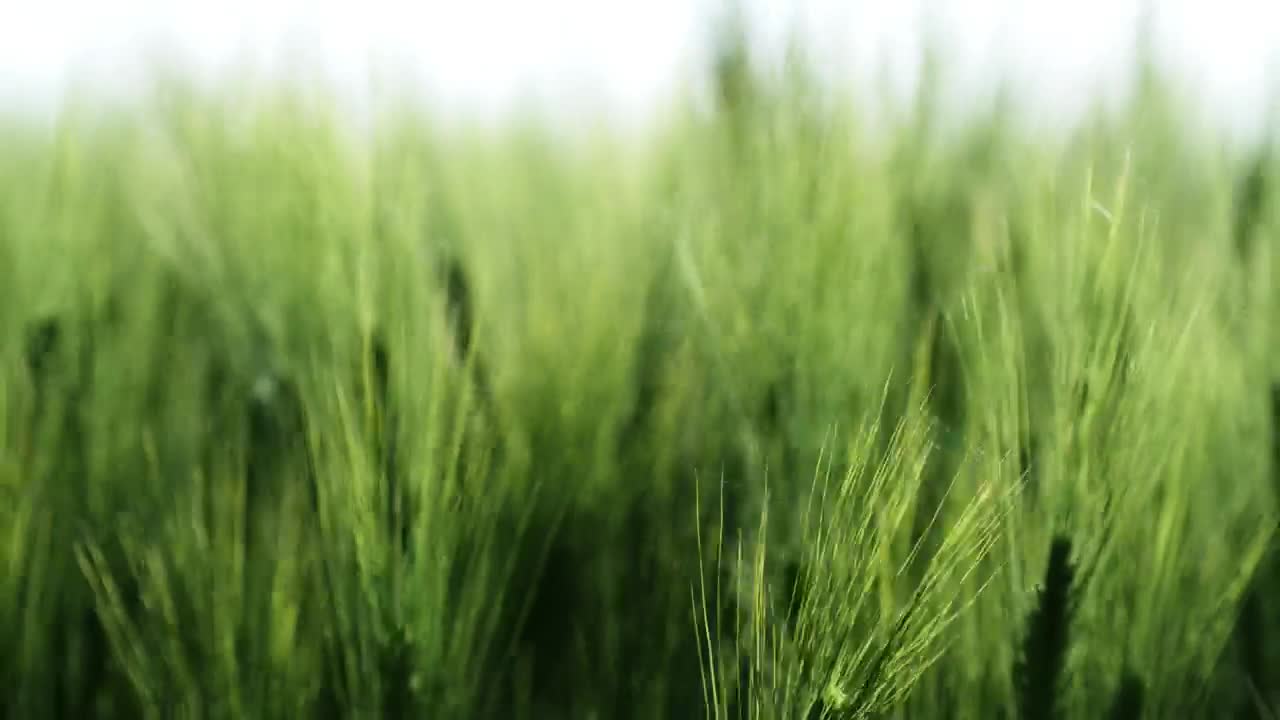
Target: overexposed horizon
<point x="486" y="56"/>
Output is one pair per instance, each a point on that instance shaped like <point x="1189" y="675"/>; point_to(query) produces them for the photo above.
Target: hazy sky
<point x="481" y="54"/>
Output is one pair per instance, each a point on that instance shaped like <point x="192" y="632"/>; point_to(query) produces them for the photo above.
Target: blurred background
<point x="574" y="57"/>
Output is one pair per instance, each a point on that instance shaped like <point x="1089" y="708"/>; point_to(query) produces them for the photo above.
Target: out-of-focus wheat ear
<point x="732" y="74"/>
<point x="646" y="377"/>
<point x="458" y="304"/>
<point x="920" y="283"/>
<point x="380" y="365"/>
<point x="739" y="703"/>
<point x="383" y="436"/>
<point x="559" y="593"/>
<point x="1125" y="344"/>
<point x="399" y="698"/>
<point x="60" y="369"/>
<point x="42" y="341"/>
<point x="947" y="396"/>
<point x="1128" y="701"/>
<point x="771" y="426"/>
<point x="1251" y="196"/>
<point x="1029" y="462"/>
<point x="794" y="579"/>
<point x="1044" y="650"/>
<point x="460" y="317"/>
<point x="771" y="413"/>
<point x="275" y="424"/>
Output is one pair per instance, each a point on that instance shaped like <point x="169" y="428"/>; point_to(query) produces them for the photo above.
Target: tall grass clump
<point x="862" y="611"/>
<point x="1047" y="636"/>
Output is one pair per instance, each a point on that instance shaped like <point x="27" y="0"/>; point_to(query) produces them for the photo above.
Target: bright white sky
<point x="483" y="54"/>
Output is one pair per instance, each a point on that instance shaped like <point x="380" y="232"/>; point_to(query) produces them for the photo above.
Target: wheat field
<point x="765" y="414"/>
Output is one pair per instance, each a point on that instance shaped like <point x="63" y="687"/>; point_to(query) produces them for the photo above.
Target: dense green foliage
<point x="764" y="415"/>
